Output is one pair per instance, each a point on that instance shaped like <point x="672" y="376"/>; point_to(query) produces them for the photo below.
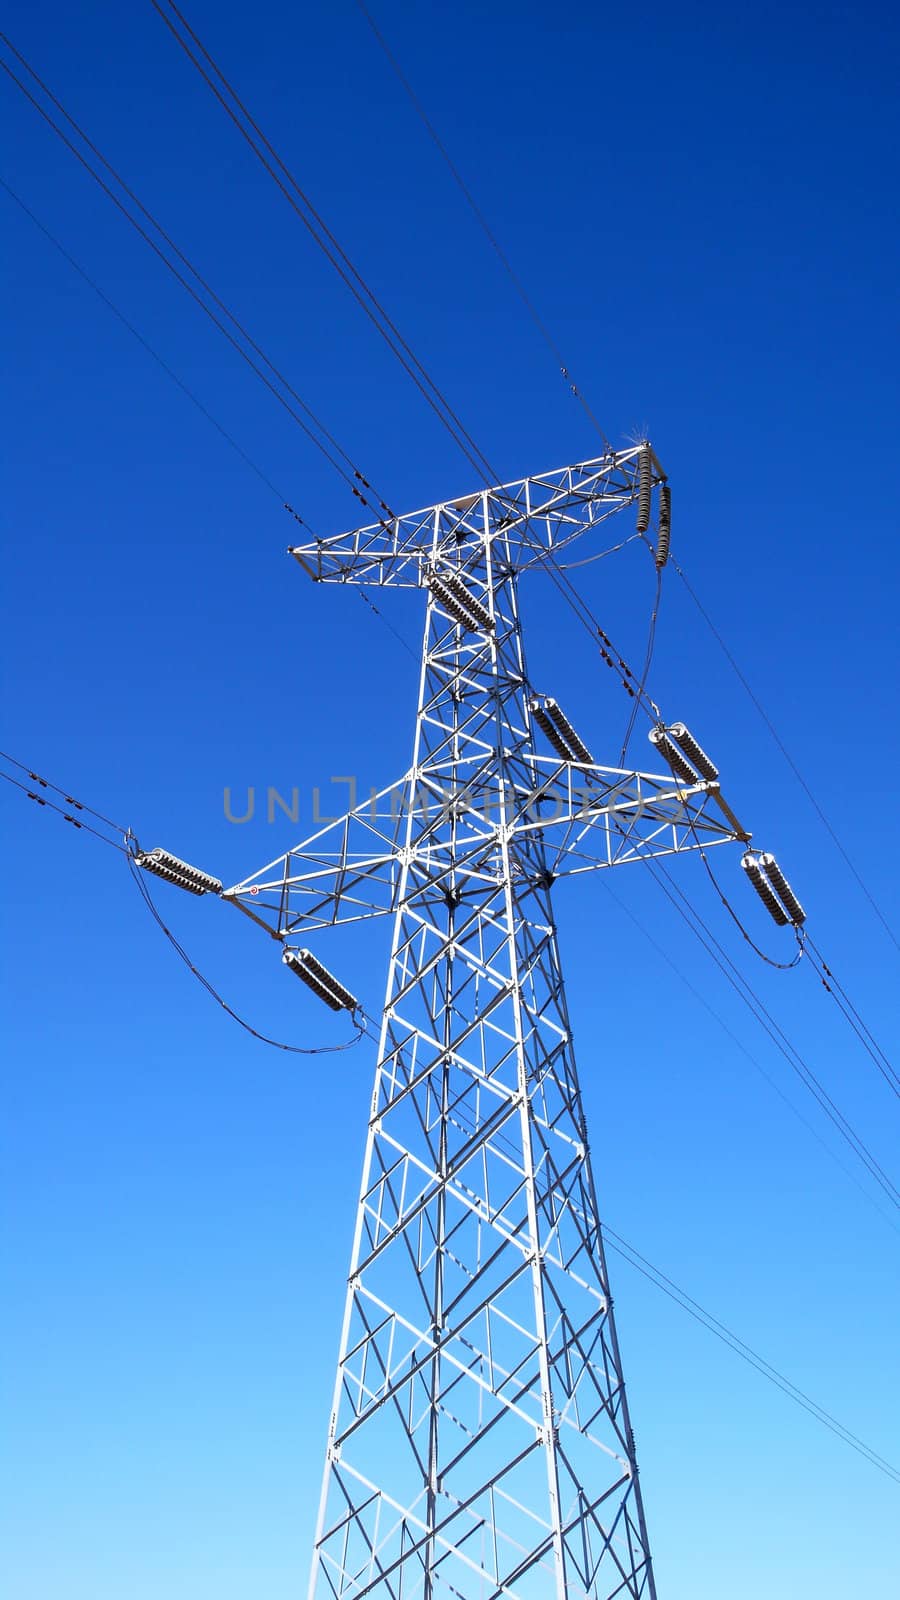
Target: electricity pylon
<point x="480" y="1442"/>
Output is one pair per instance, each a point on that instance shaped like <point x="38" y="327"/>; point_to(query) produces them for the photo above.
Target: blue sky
<point x="699" y="200"/>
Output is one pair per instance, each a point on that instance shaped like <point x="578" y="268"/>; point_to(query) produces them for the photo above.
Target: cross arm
<point x="427" y="840"/>
<point x="346" y="872"/>
<point x="531" y="517"/>
<point x="589" y="817"/>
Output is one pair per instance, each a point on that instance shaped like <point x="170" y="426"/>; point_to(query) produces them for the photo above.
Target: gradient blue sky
<point x="701" y="200"/>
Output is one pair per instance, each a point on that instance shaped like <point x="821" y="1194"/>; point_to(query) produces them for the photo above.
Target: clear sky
<point x="701" y="200"/>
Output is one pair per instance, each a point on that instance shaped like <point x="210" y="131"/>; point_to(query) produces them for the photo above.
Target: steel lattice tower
<point x="480" y="1443"/>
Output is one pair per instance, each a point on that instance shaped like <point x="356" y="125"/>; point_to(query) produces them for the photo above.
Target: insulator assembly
<point x="763" y="888"/>
<point x="559" y="731"/>
<point x="564" y="727"/>
<point x="783" y="889"/>
<point x="673" y="756"/>
<point x="548" y="729"/>
<point x="322" y="982"/>
<point x="645" y="486"/>
<point x="459" y="603"/>
<point x="164" y="865"/>
<point x="694" y="752"/>
<point x="664" y="532"/>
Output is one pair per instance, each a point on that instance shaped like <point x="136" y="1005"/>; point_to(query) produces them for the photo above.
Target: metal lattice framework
<point x="480" y="1443"/>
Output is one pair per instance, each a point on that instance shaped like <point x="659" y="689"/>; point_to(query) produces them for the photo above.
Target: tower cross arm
<point x="589" y="817"/>
<point x="586" y="817"/>
<point x="349" y="870"/>
<point x="530" y="517"/>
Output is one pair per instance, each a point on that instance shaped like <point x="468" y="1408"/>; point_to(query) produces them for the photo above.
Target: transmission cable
<point x="770" y="961"/>
<point x="541" y="326"/>
<point x="845" y="1004"/>
<point x="807" y="947"/>
<point x="599" y="555"/>
<point x="204" y="411"/>
<point x="661" y="1280"/>
<point x="773" y="1083"/>
<point x="319" y="231"/>
<point x="645" y="672"/>
<point x="255" y="138"/>
<point x="786" y="754"/>
<point x="277" y="1044"/>
<point x="127" y="846"/>
<point x="634" y="688"/>
<point x="67" y="816"/>
<point x="765" y="1019"/>
<point x="480" y="218"/>
<point x="681" y="1298"/>
<point x="145" y="344"/>
<point x="327" y="444"/>
<point x="79" y="805"/>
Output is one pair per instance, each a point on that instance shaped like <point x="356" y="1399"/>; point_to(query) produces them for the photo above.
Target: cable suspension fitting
<point x="664" y="526"/>
<point x="456" y="599"/>
<point x="645" y="488"/>
<point x="318" y="978"/>
<point x="774" y="890"/>
<point x="682" y="753"/>
<point x="164" y="865"/>
<point x="554" y="723"/>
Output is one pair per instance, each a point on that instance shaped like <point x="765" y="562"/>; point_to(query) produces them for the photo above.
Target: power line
<point x="144" y="343"/>
<point x="81" y="805"/>
<point x="277" y="1044"/>
<point x="754" y="1061"/>
<point x="770" y="961"/>
<point x="549" y="340"/>
<point x="179" y="382"/>
<point x="389" y="625"/>
<point x="67" y="816"/>
<point x="645" y="672"/>
<point x="739" y="1346"/>
<point x="681" y="1298"/>
<point x="634" y="687"/>
<point x="787" y="755"/>
<point x="126" y="845"/>
<point x="864" y="1034"/>
<point x="485" y="227"/>
<point x="324" y="440"/>
<point x="806" y="946"/>
<point x="300" y="203"/>
<point x="841" y="998"/>
<point x="482" y="465"/>
<point x="765" y="1019"/>
<point x="687" y="912"/>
